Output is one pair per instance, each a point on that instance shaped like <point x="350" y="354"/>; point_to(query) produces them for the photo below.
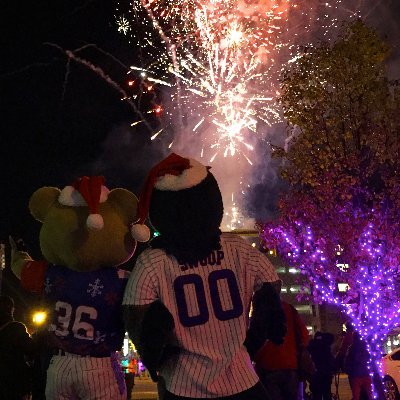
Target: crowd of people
<point x="24" y="360"/>
<point x="186" y="308"/>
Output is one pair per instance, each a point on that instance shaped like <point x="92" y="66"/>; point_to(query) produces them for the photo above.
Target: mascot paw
<point x="156" y="336"/>
<point x="153" y="375"/>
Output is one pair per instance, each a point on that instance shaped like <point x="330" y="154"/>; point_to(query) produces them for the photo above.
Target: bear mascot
<point x="187" y="301"/>
<point x="85" y="235"/>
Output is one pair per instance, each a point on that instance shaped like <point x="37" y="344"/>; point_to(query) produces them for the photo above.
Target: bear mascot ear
<point x="39" y="205"/>
<point x="125" y="204"/>
<point x="42" y="200"/>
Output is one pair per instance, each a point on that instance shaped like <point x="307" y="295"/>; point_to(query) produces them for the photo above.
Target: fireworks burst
<point x="217" y="65"/>
<point x="220" y="60"/>
<point x="219" y="56"/>
<point x="123" y="25"/>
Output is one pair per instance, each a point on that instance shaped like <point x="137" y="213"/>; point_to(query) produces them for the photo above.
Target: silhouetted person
<point x="15" y="346"/>
<point x="41" y="361"/>
<point x="321" y="353"/>
<point x="276" y="365"/>
<point x="130" y="372"/>
<point x="356" y="366"/>
<point x="347" y="340"/>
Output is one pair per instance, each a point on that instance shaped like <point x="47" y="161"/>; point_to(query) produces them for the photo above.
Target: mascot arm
<point x="30" y="272"/>
<point x="18" y="259"/>
<point x="150" y="328"/>
<point x="268" y="321"/>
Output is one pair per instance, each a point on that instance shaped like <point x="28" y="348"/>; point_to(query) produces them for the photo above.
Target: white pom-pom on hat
<point x="140" y="232"/>
<point x="174" y="173"/>
<point x="95" y="222"/>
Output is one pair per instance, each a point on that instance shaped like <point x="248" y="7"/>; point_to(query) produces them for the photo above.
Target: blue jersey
<point x="86" y="309"/>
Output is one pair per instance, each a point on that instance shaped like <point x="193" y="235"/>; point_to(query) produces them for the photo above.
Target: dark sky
<point x="55" y="129"/>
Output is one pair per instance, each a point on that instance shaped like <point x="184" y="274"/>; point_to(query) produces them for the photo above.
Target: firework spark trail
<point x="171" y="49"/>
<point x="225" y="73"/>
<point x="97" y="70"/>
<point x="219" y="56"/>
<point x="223" y="58"/>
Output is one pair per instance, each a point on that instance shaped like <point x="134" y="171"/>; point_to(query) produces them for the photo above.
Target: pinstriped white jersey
<point x="210" y="304"/>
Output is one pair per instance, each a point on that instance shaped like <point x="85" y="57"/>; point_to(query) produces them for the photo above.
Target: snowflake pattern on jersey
<point x="47" y="285"/>
<point x="99" y="337"/>
<point x="94" y="299"/>
<point x="95" y="288"/>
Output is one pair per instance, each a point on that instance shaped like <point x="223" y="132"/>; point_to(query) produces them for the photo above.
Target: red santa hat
<point x="87" y="192"/>
<point x="174" y="173"/>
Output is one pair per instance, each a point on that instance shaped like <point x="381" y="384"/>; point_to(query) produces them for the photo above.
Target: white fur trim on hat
<point x="95" y="222"/>
<point x="188" y="178"/>
<point x="140" y="232"/>
<point x="69" y="196"/>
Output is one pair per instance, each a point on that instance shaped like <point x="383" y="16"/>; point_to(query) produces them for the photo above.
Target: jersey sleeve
<point x="33" y="275"/>
<point x="141" y="288"/>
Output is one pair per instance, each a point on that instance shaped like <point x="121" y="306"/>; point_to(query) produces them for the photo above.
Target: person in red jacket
<point x="356" y="365"/>
<point x="276" y="365"/>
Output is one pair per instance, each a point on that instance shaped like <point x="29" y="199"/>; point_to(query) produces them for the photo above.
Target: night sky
<point x="55" y="129"/>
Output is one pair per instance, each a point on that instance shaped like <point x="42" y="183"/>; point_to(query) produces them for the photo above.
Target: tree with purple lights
<point x="339" y="222"/>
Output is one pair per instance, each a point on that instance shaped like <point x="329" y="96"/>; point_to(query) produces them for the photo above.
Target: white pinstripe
<point x="74" y="377"/>
<point x="213" y="362"/>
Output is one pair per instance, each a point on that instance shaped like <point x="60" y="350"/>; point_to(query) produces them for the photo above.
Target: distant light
<point x="125" y="347"/>
<point x="39" y="317"/>
<point x="343" y="287"/>
<point x="253" y="245"/>
<point x="2" y="256"/>
<point x="343" y="266"/>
